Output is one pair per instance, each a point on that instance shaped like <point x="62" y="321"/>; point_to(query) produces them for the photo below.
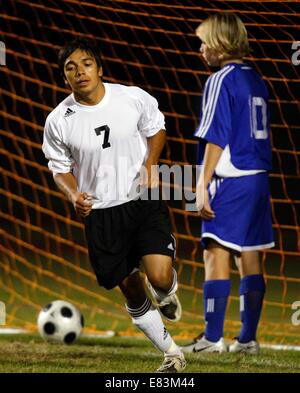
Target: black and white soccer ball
<point x="60" y="322"/>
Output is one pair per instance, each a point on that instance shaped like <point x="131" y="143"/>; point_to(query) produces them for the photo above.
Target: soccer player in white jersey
<point x="97" y="141"/>
<point x="232" y="190"/>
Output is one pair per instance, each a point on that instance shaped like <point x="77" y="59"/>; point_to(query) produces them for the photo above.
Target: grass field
<point x="28" y="284"/>
<point x="27" y="353"/>
<point x="24" y="290"/>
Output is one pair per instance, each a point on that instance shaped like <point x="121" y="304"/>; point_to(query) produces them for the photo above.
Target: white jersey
<point x="103" y="145"/>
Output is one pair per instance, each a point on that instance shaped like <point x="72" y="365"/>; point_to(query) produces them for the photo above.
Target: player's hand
<point x="202" y="203"/>
<point x="82" y="203"/>
<point x="149" y="176"/>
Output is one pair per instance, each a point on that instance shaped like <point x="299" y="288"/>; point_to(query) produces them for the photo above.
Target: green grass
<point x="27" y="353"/>
<point x="25" y="289"/>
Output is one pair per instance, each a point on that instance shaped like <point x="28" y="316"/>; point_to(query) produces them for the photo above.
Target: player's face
<point x="211" y="56"/>
<point x="82" y="72"/>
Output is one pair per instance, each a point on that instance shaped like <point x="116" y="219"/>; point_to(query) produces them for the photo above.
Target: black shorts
<point x="119" y="236"/>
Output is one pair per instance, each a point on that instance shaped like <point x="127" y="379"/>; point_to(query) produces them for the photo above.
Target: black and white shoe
<point x="201" y="344"/>
<point x="172" y="364"/>
<point x="169" y="306"/>
<point x="251" y="347"/>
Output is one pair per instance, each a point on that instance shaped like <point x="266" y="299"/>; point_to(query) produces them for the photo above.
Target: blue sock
<point x="252" y="290"/>
<point x="216" y="294"/>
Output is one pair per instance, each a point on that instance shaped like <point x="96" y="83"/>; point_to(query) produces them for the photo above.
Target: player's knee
<point x="209" y="258"/>
<point x="161" y="280"/>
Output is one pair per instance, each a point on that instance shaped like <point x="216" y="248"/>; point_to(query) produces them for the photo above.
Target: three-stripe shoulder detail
<point x="210" y="98"/>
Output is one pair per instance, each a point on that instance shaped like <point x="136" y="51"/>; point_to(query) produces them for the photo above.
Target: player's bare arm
<point x="81" y="201"/>
<point x="155" y="145"/>
<point x="211" y="157"/>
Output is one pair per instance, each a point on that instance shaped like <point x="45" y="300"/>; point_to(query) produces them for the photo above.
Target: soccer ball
<point x="60" y="322"/>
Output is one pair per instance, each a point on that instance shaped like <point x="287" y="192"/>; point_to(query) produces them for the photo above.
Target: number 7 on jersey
<point x="106" y="130"/>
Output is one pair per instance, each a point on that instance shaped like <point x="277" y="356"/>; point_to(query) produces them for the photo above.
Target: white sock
<point x="148" y="320"/>
<point x="174" y="349"/>
<point x="161" y="295"/>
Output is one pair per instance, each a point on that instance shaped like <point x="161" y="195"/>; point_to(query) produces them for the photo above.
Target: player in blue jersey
<point x="233" y="190"/>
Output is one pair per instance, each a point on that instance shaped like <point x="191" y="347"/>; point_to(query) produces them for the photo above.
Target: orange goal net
<point x="151" y="44"/>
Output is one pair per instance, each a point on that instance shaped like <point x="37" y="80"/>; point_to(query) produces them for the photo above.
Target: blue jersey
<point x="235" y="116"/>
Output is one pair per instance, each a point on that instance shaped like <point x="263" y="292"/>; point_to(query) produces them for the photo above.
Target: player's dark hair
<point x="78" y="43"/>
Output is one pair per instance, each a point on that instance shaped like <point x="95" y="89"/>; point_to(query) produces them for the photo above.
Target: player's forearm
<point x="211" y="157"/>
<point x="155" y="145"/>
<point x="67" y="183"/>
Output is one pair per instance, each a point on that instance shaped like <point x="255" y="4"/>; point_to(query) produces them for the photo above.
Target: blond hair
<point x="225" y="33"/>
